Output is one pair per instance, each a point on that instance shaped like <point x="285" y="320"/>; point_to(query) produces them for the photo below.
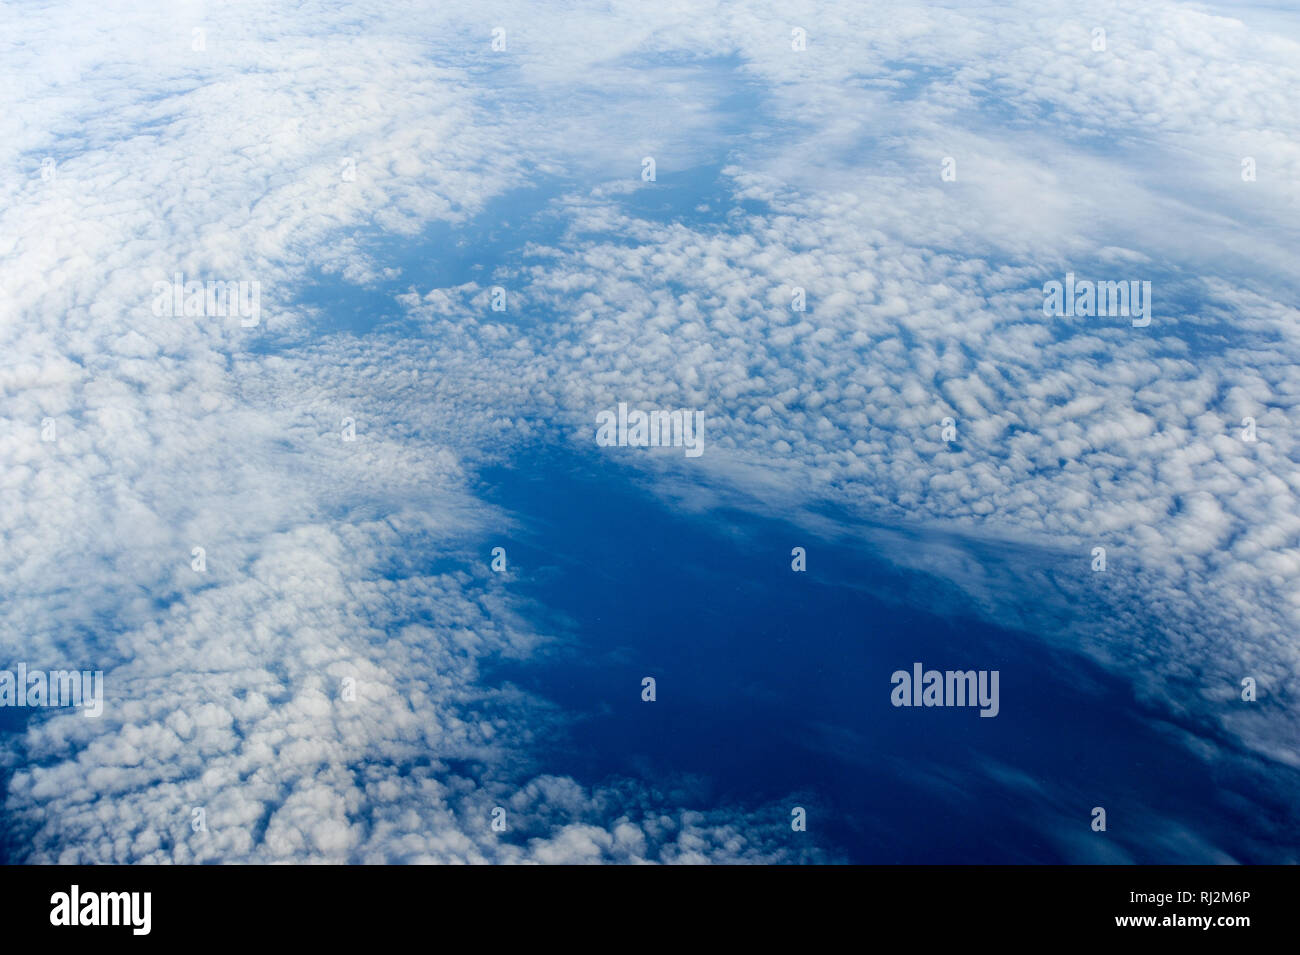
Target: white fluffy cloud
<point x="228" y="163"/>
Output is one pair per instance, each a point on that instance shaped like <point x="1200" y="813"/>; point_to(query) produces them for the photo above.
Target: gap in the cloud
<point x="14" y="722"/>
<point x="690" y="188"/>
<point x="490" y="246"/>
<point x="695" y="197"/>
<point x="444" y="255"/>
<point x="772" y="683"/>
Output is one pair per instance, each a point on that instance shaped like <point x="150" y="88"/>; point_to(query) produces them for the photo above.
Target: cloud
<point x="297" y="150"/>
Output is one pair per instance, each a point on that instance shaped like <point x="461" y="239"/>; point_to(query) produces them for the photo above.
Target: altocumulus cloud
<point x="148" y="148"/>
<point x="924" y="303"/>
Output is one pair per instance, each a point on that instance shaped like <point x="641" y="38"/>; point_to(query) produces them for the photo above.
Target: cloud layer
<point x="315" y="149"/>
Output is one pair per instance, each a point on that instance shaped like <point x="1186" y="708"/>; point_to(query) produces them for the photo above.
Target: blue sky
<point x="379" y="170"/>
